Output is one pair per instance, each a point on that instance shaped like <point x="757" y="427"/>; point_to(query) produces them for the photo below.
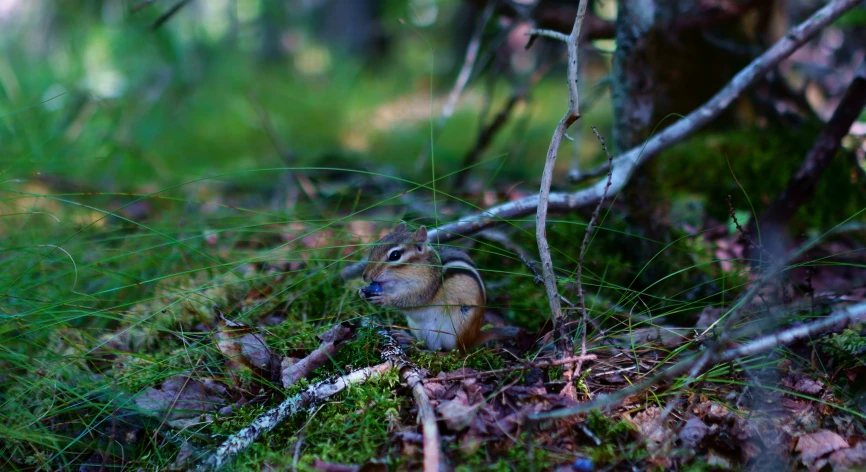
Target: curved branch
<point x="625" y="163"/>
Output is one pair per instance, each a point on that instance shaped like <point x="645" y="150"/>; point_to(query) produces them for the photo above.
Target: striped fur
<point x="439" y="290"/>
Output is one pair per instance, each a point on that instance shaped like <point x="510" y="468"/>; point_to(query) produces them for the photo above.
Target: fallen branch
<point x="697" y="363"/>
<point x="562" y="340"/>
<point x="313" y="395"/>
<point x="293" y="370"/>
<point x="625" y="163"/>
<point x="529" y="365"/>
<point x="839" y="320"/>
<point x="392" y="353"/>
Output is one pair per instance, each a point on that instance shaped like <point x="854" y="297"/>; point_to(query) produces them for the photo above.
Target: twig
<point x="562" y="340"/>
<point x="332" y="340"/>
<point x="549" y="34"/>
<point x="593" y="220"/>
<point x="303" y="401"/>
<point x="625" y="163"/>
<point x="529" y="365"/>
<point x="802" y="185"/>
<point x="392" y="353"/>
<point x="839" y="320"/>
<point x="485" y="137"/>
<point x="168" y="14"/>
<point x="469" y="61"/>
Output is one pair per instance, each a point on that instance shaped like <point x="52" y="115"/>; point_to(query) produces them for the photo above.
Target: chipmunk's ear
<point x="400" y="227"/>
<point x="421" y="235"/>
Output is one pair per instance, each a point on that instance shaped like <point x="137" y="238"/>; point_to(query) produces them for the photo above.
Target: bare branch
<point x="838" y="321"/>
<point x="469" y="60"/>
<point x="626" y="162"/>
<point x="313" y="395"/>
<point x="589" y="227"/>
<point x="529" y="365"/>
<point x="549" y="34"/>
<point x="562" y="340"/>
<point x="802" y="185"/>
<point x="412" y="375"/>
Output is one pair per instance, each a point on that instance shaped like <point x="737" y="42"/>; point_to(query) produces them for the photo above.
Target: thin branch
<point x="625" y="163"/>
<point x="293" y="405"/>
<point x="593" y="220"/>
<point x="485" y="137"/>
<point x="463" y="76"/>
<point x="168" y="14"/>
<point x="412" y="375"/>
<point x="561" y="338"/>
<point x="468" y="64"/>
<point x="802" y="186"/>
<point x="549" y="34"/>
<point x="526" y="366"/>
<point x="838" y="321"/>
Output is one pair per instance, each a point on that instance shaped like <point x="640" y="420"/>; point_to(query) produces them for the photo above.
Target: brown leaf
<point x="457" y="413"/>
<point x="814" y="447"/>
<point x="244" y="346"/>
<point x="654" y="433"/>
<point x="853" y="458"/>
<point x="801" y="383"/>
<point x="181" y="397"/>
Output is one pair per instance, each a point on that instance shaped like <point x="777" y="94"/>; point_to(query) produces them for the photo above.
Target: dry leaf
<point x="243" y="346"/>
<point x="814" y="448"/>
<point x="849" y="459"/>
<point x="181" y="397"/>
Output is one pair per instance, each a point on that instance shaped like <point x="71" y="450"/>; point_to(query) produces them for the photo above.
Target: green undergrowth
<point x="100" y="308"/>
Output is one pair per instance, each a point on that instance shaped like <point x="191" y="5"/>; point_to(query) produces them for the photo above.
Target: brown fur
<point x="442" y="277"/>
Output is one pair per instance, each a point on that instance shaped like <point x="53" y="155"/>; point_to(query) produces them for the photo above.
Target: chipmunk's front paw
<point x="403" y="338"/>
<point x="373" y="293"/>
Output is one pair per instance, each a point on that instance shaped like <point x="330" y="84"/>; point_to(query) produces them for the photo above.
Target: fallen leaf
<point x="853" y="458"/>
<point x="181" y="397"/>
<point x="801" y="383"/>
<point x="814" y="448"/>
<point x="457" y="413"/>
<point x="243" y="346"/>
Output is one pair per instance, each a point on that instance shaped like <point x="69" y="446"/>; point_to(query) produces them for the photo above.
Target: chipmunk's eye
<point x="395" y="255"/>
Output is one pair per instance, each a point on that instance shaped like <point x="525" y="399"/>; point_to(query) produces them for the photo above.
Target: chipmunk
<point x="439" y="290"/>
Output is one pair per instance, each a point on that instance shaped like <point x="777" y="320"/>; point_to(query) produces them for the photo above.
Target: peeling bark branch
<point x="562" y="340"/>
<point x="412" y="375"/>
<point x="313" y="395"/>
<point x="625" y="163"/>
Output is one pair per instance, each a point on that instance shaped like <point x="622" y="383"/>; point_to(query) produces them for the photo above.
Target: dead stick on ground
<point x="303" y="401"/>
<point x="411" y="374"/>
<point x="526" y="366"/>
<point x="626" y="162"/>
<point x="562" y="339"/>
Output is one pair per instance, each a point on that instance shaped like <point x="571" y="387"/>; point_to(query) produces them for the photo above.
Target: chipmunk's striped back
<point x="439" y="290"/>
<point x="456" y="262"/>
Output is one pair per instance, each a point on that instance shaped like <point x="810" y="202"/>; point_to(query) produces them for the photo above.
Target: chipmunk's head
<point x="400" y="261"/>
